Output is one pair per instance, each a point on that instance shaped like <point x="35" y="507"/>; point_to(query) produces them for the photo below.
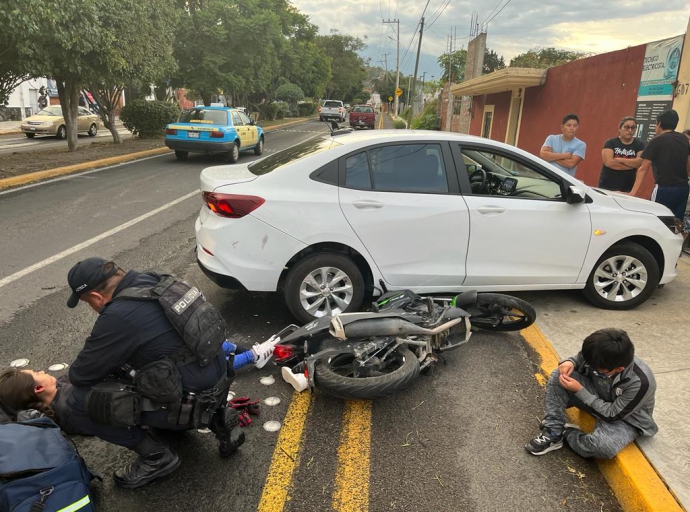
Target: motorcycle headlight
<point x="672" y="223"/>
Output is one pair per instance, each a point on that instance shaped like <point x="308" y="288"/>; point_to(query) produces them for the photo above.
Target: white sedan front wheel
<point x="624" y="277"/>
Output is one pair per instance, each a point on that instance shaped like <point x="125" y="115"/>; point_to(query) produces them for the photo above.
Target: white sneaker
<point x="296" y="380"/>
<point x="264" y="351"/>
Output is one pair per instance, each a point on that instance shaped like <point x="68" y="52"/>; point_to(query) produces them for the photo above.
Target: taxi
<point x="214" y="130"/>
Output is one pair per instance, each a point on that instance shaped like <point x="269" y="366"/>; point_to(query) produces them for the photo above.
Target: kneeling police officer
<point x="139" y="336"/>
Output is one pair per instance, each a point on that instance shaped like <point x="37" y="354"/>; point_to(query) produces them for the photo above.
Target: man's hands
<point x="565" y="369"/>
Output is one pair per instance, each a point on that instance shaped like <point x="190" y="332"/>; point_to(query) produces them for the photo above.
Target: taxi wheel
<point x="61" y="132"/>
<point x="234" y="154"/>
<point x="93" y="130"/>
<point x="259" y="148"/>
<point x="31" y="135"/>
<point x="181" y="155"/>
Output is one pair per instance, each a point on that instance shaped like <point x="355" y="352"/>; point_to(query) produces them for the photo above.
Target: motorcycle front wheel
<point x="498" y="312"/>
<point x="335" y="375"/>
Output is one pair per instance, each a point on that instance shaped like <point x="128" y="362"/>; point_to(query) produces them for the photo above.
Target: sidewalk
<point x="10" y="127"/>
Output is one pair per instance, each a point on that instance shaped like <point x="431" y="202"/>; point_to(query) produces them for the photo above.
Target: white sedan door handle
<point x="486" y="210"/>
<point x="367" y="205"/>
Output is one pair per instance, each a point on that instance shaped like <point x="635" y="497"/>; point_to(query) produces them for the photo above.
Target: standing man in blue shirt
<point x="565" y="151"/>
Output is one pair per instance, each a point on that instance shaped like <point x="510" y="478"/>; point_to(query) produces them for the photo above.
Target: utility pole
<point x="397" y="62"/>
<point x="385" y="64"/>
<point x="450" y="107"/>
<point x="416" y="66"/>
<point x="423" y="77"/>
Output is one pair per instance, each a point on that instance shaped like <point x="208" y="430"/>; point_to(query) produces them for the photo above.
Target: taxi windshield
<point x="200" y="115"/>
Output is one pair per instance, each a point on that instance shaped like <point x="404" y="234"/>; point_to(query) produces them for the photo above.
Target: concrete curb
<point x="25" y="179"/>
<point x="11" y="132"/>
<point x="636" y="484"/>
<point x="69" y="169"/>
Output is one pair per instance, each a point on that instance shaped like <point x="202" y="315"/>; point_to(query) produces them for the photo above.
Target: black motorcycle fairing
<point x="465" y="299"/>
<point x="397" y="299"/>
<point x="318" y="327"/>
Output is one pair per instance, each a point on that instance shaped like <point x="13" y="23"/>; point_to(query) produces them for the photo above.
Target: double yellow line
<point x="354" y="453"/>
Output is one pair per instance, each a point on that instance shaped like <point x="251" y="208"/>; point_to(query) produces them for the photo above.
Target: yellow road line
<point x="636" y="484"/>
<point x="352" y="476"/>
<point x="285" y="455"/>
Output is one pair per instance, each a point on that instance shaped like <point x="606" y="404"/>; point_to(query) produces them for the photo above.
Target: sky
<point x="512" y="26"/>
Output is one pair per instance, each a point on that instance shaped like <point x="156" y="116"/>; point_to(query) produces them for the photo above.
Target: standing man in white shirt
<point x="565" y="151"/>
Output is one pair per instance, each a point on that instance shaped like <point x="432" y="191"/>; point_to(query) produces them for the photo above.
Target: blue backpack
<point x="40" y="471"/>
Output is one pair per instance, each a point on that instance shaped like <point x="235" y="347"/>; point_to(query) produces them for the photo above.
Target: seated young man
<point x="606" y="380"/>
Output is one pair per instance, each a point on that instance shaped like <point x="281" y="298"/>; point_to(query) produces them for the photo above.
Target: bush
<point x="306" y="109"/>
<point x="290" y="93"/>
<point x="400" y="124"/>
<point x="282" y="109"/>
<point x="147" y="119"/>
<point x="268" y="111"/>
<point x="428" y="120"/>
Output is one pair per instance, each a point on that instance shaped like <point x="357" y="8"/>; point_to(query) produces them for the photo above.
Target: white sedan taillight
<point x="233" y="206"/>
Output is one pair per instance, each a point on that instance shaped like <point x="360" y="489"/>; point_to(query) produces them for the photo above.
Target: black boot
<point x="155" y="460"/>
<point x="225" y="424"/>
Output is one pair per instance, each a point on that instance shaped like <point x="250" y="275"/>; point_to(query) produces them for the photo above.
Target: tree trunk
<point x="206" y="98"/>
<point x="68" y="92"/>
<point x="108" y="99"/>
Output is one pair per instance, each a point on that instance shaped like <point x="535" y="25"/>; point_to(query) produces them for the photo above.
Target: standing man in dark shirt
<point x="668" y="154"/>
<point x="622" y="158"/>
<point x="135" y="333"/>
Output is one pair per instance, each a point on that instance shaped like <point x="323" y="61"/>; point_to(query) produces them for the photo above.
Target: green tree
<point x="348" y="69"/>
<point x="53" y="38"/>
<point x="302" y="61"/>
<point x="492" y="62"/>
<point x="139" y="37"/>
<point x="226" y="46"/>
<point x="543" y="58"/>
<point x="453" y="65"/>
<point x="290" y="93"/>
<point x="13" y="70"/>
<point x="384" y="85"/>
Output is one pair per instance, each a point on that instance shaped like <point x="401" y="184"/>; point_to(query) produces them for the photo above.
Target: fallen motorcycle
<point x="376" y="354"/>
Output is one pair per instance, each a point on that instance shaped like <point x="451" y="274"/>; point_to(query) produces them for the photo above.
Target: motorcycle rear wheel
<point x="333" y="375"/>
<point x="498" y="312"/>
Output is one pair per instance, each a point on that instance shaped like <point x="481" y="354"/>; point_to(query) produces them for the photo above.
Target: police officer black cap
<point x="87" y="275"/>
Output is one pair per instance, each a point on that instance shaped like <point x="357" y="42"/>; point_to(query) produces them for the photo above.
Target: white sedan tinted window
<point x="409" y="168"/>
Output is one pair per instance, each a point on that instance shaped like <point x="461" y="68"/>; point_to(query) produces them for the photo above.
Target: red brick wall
<point x="501" y="102"/>
<point x="600" y="90"/>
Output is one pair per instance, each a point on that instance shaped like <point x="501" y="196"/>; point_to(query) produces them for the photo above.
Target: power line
<point x="499" y="12"/>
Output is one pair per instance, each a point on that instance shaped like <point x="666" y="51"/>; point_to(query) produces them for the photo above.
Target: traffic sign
<point x="398" y="91"/>
<point x="390" y="98"/>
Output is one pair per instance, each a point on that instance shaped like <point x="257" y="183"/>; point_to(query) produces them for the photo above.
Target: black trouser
<point x="77" y="422"/>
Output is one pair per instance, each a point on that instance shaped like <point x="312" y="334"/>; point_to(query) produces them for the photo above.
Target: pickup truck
<point x="362" y="116"/>
<point x="332" y="109"/>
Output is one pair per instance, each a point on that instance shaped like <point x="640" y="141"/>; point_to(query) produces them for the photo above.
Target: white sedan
<point x="331" y="219"/>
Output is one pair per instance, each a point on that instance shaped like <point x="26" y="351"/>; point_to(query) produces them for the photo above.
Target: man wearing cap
<point x="135" y="333"/>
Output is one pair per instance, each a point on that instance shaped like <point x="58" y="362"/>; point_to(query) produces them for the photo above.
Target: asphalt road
<point x="452" y="443"/>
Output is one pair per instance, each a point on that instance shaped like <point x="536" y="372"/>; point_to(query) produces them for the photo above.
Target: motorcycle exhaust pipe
<point x="384" y="327"/>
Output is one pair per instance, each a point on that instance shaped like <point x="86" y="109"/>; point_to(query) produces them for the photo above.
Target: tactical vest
<point x="196" y="321"/>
